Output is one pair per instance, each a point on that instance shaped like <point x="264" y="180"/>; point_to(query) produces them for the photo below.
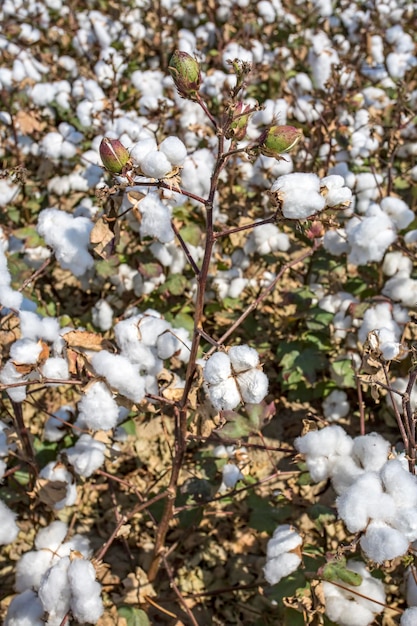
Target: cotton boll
<point x="54" y="591"/>
<point x="343" y="609"/>
<point x="243" y="358"/>
<point x="365" y="500"/>
<point x="97" y="408"/>
<point x="281" y="566"/>
<point x="324" y="444"/>
<point x="31" y="567"/>
<point x="8" y="527"/>
<point x="284" y="539"/>
<point x="397" y="262"/>
<point x="102" y="315"/>
<point x="383" y="543"/>
<point x="87" y="455"/>
<point x="174" y="150"/>
<point x="335" y="241"/>
<point x="150" y="326"/>
<point x="409" y="617"/>
<point x="253" y="385"/>
<point x="25" y="610"/>
<point x="25" y="351"/>
<point x="224" y="396"/>
<point x="69" y="237"/>
<point x="156" y="219"/>
<point x="231" y="474"/>
<point x="119" y="373"/>
<point x="335" y="192"/>
<point x="370" y="237"/>
<point x="299" y="194"/>
<point x="9" y="375"/>
<point x="370" y="451"/>
<point x="55" y="368"/>
<point x="139" y="151"/>
<point x="399" y="483"/>
<point x="217" y="368"/>
<point x="398" y="211"/>
<point x="344" y="472"/>
<point x="401" y="288"/>
<point x="336" y="405"/>
<point x="128" y="339"/>
<point x="86" y="603"/>
<point x="34" y="327"/>
<point x="155" y="165"/>
<point x="52" y="536"/>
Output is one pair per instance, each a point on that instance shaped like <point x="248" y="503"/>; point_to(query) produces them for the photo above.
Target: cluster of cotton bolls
<point x="377" y="497"/>
<point x="283" y="554"/>
<point x="234" y="377"/>
<point x="54" y="579"/>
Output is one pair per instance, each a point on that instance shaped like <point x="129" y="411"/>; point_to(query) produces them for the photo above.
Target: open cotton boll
<point x="382" y="542"/>
<point x="217" y="368"/>
<point x="54" y="591"/>
<point x="32" y="566"/>
<point x="128" y="337"/>
<point x="398" y="211"/>
<point x="253" y="385"/>
<point x="9" y="375"/>
<point x="370" y="237"/>
<point x="377" y="317"/>
<point x="97" y="408"/>
<point x="401" y="288"/>
<point x="399" y="483"/>
<point x="231" y="474"/>
<point x="224" y="396"/>
<point x="243" y="358"/>
<point x="336" y="405"/>
<point x="156" y="219"/>
<point x="277" y="568"/>
<point x="299" y="194"/>
<point x="69" y="237"/>
<point x="390" y="348"/>
<point x="155" y="165"/>
<point x="35" y="327"/>
<point x="150" y="326"/>
<point x="335" y="241"/>
<point x="323" y="445"/>
<point x="335" y="191"/>
<point x="267" y="238"/>
<point x="365" y="500"/>
<point x="120" y="373"/>
<point x="409" y="617"/>
<point x="86" y="603"/>
<point x="346" y="608"/>
<point x="25" y="351"/>
<point x="102" y="315"/>
<point x="52" y="536"/>
<point x="284" y="539"/>
<point x="87" y="455"/>
<point x="174" y="150"/>
<point x="344" y="472"/>
<point x="25" y="610"/>
<point x="397" y="262"/>
<point x="370" y="451"/>
<point x="8" y="527"/>
<point x="55" y="368"/>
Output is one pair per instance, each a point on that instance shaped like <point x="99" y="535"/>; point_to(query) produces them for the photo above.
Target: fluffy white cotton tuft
<point x="336" y="405"/>
<point x="282" y="555"/>
<point x="120" y="374"/>
<point x="86" y="603"/>
<point x="97" y="408"/>
<point x="87" y="455"/>
<point x="382" y="542"/>
<point x="299" y="194"/>
<point x="174" y="150"/>
<point x="409" y="617"/>
<point x="8" y="527"/>
<point x="25" y="610"/>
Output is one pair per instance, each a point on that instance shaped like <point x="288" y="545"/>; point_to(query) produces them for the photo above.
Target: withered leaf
<point x="50" y="491"/>
<point x="86" y="340"/>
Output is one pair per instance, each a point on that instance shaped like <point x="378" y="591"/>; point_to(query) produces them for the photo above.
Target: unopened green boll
<point x="185" y="71"/>
<point x="114" y="155"/>
<point x="279" y="139"/>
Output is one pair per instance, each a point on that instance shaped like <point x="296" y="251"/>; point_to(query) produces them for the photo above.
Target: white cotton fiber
<point x="336" y="405"/>
<point x="102" y="315"/>
<point x="409" y="617"/>
<point x="344" y="472"/>
<point x="54" y="591"/>
<point x="150" y="326"/>
<point x="87" y="455"/>
<point x="398" y="211"/>
<point x="97" y="408"/>
<point x="25" y="351"/>
<point x="370" y="237"/>
<point x="300" y="195"/>
<point x="284" y="539"/>
<point x="217" y="368"/>
<point x="324" y="444"/>
<point x="31" y="567"/>
<point x="253" y="385"/>
<point x="55" y="368"/>
<point x="25" y="610"/>
<point x="281" y="566"/>
<point x="156" y="219"/>
<point x="69" y="237"/>
<point x="120" y="374"/>
<point x="57" y="472"/>
<point x="382" y="542"/>
<point x="399" y="483"/>
<point x="174" y="150"/>
<point x="35" y="327"/>
<point x="8" y="527"/>
<point x="224" y="396"/>
<point x="243" y="358"/>
<point x="370" y="451"/>
<point x="155" y="165"/>
<point x="365" y="500"/>
<point x="86" y="603"/>
<point x="8" y="375"/>
<point x="230" y="475"/>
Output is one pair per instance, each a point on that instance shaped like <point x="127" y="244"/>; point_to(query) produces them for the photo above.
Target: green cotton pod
<point x="114" y="155"/>
<point x="185" y="72"/>
<point x="279" y="139"/>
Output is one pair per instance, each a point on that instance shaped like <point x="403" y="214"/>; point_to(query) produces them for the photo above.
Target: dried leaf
<point x="85" y="339"/>
<point x="50" y="492"/>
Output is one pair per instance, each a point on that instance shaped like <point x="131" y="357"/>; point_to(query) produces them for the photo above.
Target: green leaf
<point x="343" y="372"/>
<point x="265" y="516"/>
<point x="293" y="617"/>
<point x="129" y="427"/>
<point x="336" y="570"/>
<point x="287" y="587"/>
<point x="175" y="284"/>
<point x="133" y="616"/>
<point x="191" y="233"/>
